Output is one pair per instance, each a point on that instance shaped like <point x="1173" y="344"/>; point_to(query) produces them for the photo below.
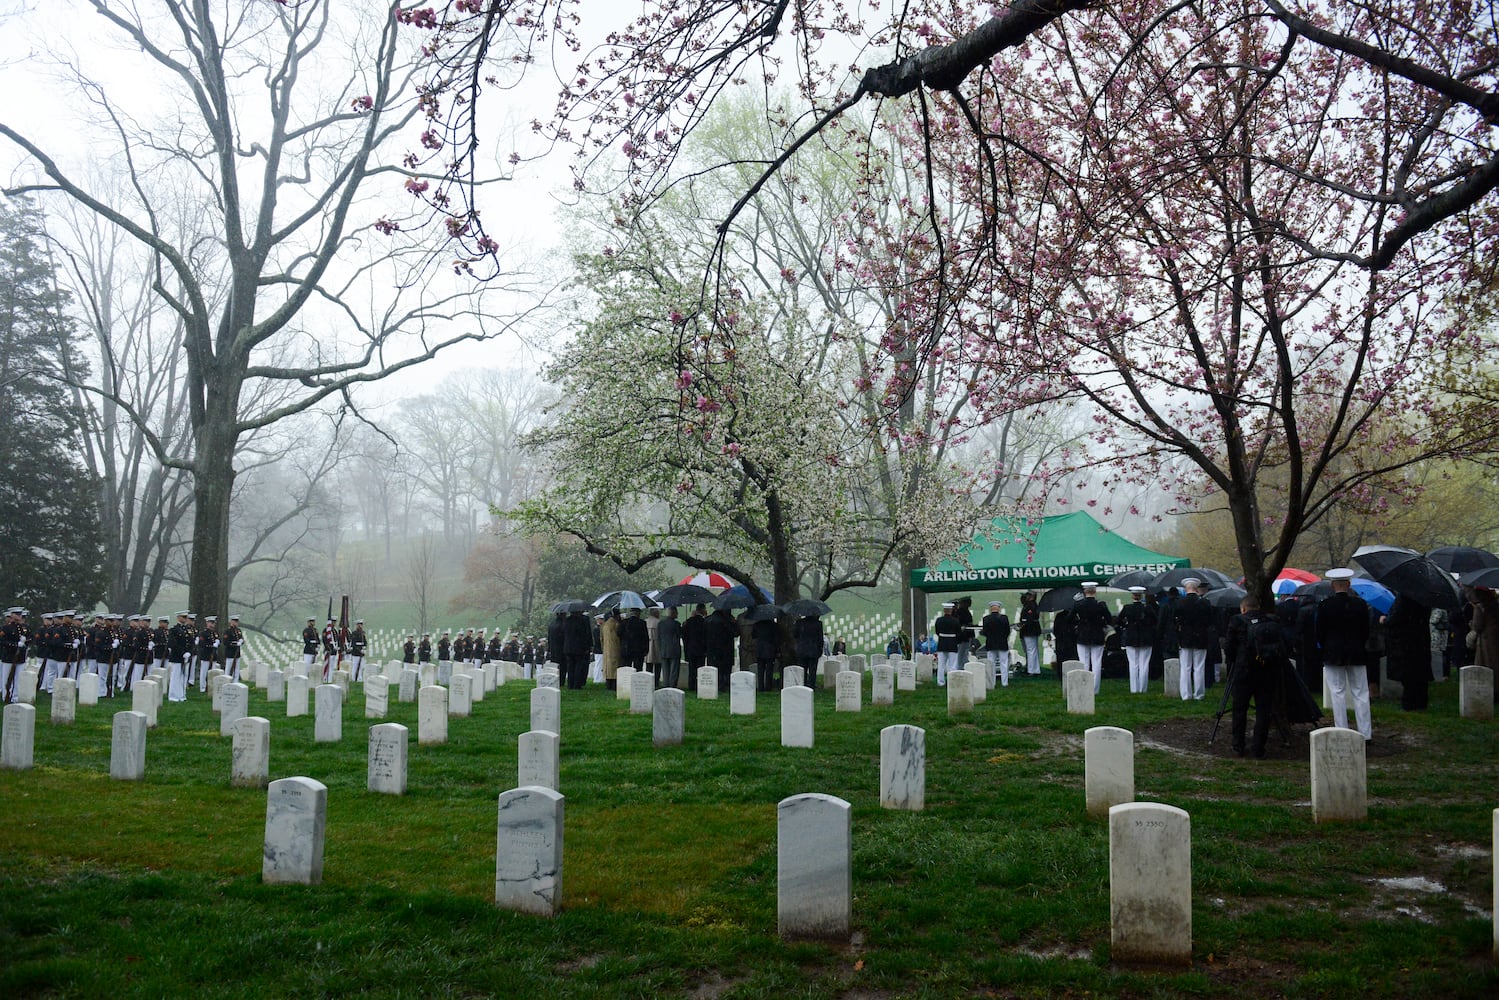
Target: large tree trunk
<point x="213" y="487"/>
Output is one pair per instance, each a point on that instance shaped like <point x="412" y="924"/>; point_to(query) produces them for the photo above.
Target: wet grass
<point x="999" y="888"/>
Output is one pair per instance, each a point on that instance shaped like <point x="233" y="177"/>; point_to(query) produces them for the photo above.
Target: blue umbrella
<point x="1376" y="595"/>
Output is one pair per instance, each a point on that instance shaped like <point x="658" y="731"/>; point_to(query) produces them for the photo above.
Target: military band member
<point x="445" y="657"/>
<point x="1136" y="623"/>
<point x="424" y="648"/>
<point x="408" y="651"/>
<point x="330" y="650"/>
<point x="209" y="646"/>
<point x="13" y="640"/>
<point x="234" y="642"/>
<point x="179" y="655"/>
<point x="358" y="643"/>
<point x="497" y="649"/>
<point x="309" y="642"/>
<point x="159" y="643"/>
<point x="479" y="651"/>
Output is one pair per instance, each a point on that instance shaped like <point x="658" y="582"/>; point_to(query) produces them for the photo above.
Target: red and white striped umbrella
<point x="713" y="581"/>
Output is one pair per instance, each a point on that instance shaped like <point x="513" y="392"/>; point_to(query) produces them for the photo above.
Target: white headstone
<point x="234" y="704"/>
<point x="275" y="686"/>
<point x="878" y="659"/>
<point x="461" y="696"/>
<point x="668" y="715"/>
<point x="476" y="690"/>
<point x="856" y="663"/>
<point x="127" y="747"/>
<point x="1171" y="685"/>
<point x="905" y="676"/>
<point x="828" y="670"/>
<point x="18" y="738"/>
<point x="528" y="851"/>
<point x="328" y="725"/>
<point x="88" y="690"/>
<point x="1108" y="768"/>
<point x="387" y="759"/>
<point x="814" y="882"/>
<point x="296" y="695"/>
<point x="742" y="693"/>
<point x="850" y="691"/>
<point x="623" y="677"/>
<point x="64" y="701"/>
<point x="1475" y="693"/>
<point x="707" y="683"/>
<point x="250" y="752"/>
<point x="215" y="690"/>
<point x="538" y="761"/>
<point x="1150" y="884"/>
<point x="145" y="700"/>
<point x="296" y="815"/>
<point x="344" y="680"/>
<point x="642" y="690"/>
<point x="428" y="672"/>
<point x="406" y="693"/>
<point x="793" y="676"/>
<point x="1494" y="858"/>
<point x="26" y="687"/>
<point x="546" y="710"/>
<point x="1078" y="685"/>
<point x="393" y="670"/>
<point x="979" y="671"/>
<point x="491" y="677"/>
<point x="208" y="681"/>
<point x="926" y="667"/>
<point x="797" y="726"/>
<point x="882" y="686"/>
<point x="549" y="678"/>
<point x="903" y="767"/>
<point x="959" y="692"/>
<point x="260" y="674"/>
<point x="432" y="715"/>
<point x="376" y="697"/>
<point x="1339" y="777"/>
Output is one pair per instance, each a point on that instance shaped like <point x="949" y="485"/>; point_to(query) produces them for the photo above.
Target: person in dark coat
<point x="554" y="635"/>
<point x="1194" y="636"/>
<point x="1137" y="634"/>
<point x="695" y="643"/>
<point x="1407" y="633"/>
<point x="1093" y="624"/>
<point x="669" y="650"/>
<point x="1253" y="671"/>
<point x="809" y="639"/>
<point x="1343" y="637"/>
<point x="577" y="648"/>
<point x="634" y="640"/>
<point x="723" y="634"/>
<point x="766" y="633"/>
<point x="963" y="612"/>
<point x="1064" y="636"/>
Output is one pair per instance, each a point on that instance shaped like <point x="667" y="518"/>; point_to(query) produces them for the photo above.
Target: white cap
<point x="1137" y="590"/>
<point x="1191" y="581"/>
<point x="1341" y="573"/>
<point x="1090" y="585"/>
<point x="949" y="604"/>
<point x="994" y="605"/>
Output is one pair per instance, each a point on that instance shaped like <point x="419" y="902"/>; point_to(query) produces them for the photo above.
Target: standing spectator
<point x="963" y="612"/>
<point x="577" y="644"/>
<point x="1255" y="649"/>
<point x="695" y="643"/>
<point x="1485" y="642"/>
<point x="652" y="654"/>
<point x="1407" y="633"/>
<point x="669" y="650"/>
<point x="766" y="633"/>
<point x="634" y="640"/>
<point x="610" y="649"/>
<point x="722" y="635"/>
<point x="840" y="647"/>
<point x="1343" y="636"/>
<point x="808" y="639"/>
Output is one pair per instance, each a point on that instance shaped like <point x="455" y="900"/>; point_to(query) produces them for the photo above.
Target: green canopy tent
<point x="1011" y="554"/>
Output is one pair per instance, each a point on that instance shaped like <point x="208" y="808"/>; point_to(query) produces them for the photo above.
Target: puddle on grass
<point x="1413" y="883"/>
<point x="1465" y="852"/>
<point x="1058" y="951"/>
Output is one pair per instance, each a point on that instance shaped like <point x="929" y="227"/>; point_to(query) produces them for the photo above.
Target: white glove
<point x="23" y="640"/>
<point x="215" y="644"/>
<point x="116" y="644"/>
<point x="75" y="643"/>
<point x="150" y="645"/>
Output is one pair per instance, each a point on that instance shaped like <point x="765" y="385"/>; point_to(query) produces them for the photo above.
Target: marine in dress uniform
<point x="1342" y="637"/>
<point x="358" y="643"/>
<point x="1194" y="633"/>
<point x="179" y="642"/>
<point x="13" y="640"/>
<point x="948" y="631"/>
<point x="309" y="642"/>
<point x="995" y="628"/>
<point x="1137" y="633"/>
<point x="234" y="642"/>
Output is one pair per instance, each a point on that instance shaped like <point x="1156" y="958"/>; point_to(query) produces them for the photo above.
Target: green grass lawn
<point x="999" y="888"/>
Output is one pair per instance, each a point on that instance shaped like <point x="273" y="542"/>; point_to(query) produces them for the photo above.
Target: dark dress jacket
<point x="1343" y="630"/>
<point x="1093" y="621"/>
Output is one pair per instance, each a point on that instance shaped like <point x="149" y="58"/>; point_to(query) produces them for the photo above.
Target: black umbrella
<point x="1227" y="596"/>
<point x="1211" y="578"/>
<point x="731" y="599"/>
<point x="1463" y="558"/>
<point x="1134" y="578"/>
<point x="1488" y="577"/>
<point x="1409" y="574"/>
<point x="1058" y="598"/>
<point x="763" y="612"/>
<point x="623" y="599"/>
<point x="569" y="606"/>
<point x="684" y="593"/>
<point x="805" y="607"/>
